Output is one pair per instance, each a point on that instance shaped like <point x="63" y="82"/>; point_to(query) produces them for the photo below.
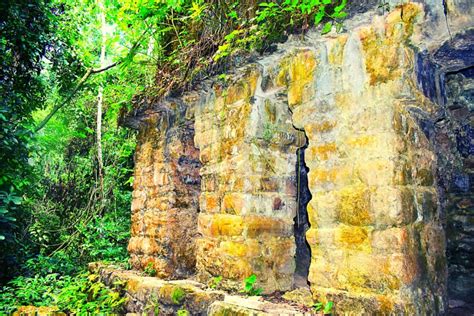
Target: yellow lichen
<point x="351" y="235"/>
<point x="384" y="52"/>
<point x="336" y="50"/>
<point x="354" y="205"/>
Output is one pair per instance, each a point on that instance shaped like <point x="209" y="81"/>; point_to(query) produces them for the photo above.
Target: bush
<point x="80" y="294"/>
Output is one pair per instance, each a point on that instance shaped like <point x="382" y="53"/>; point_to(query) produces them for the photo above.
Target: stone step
<point x="150" y="295"/>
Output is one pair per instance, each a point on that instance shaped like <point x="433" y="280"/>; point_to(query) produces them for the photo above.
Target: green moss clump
<point x="178" y="295"/>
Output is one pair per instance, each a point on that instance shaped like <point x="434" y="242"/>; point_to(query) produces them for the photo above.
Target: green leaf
<point x="339" y="15"/>
<point x="319" y="16"/>
<point x="326" y="28"/>
<point x="328" y="307"/>
<point x="340" y="7"/>
<point x="252" y="279"/>
<point x="318" y="306"/>
<point x="233" y="14"/>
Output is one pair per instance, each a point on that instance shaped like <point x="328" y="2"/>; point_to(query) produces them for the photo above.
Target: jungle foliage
<point x="65" y="200"/>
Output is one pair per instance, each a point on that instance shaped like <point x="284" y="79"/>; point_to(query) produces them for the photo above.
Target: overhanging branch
<point x="80" y="83"/>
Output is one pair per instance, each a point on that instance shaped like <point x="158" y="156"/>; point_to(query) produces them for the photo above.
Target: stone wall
<point x="376" y="238"/>
<point x="365" y="103"/>
<point x="165" y="193"/>
<point x="248" y="193"/>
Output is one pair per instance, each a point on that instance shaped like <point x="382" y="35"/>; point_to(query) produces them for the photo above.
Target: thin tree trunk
<point x="100" y="99"/>
<point x="151" y="45"/>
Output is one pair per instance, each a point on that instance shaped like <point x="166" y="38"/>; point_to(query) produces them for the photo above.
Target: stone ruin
<point x="339" y="163"/>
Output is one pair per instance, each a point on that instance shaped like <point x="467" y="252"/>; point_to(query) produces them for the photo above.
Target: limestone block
<point x="379" y="145"/>
<point x="137" y="224"/>
<point x="138" y="203"/>
<point x="212" y="261"/>
<point x="384" y="53"/>
<point x="331" y="177"/>
<point x="322" y="209"/>
<point x="384" y="171"/>
<point x="272" y="261"/>
<point x="40" y="311"/>
<point x="360" y="303"/>
<point x="249" y="307"/>
<point x="242" y="89"/>
<point x="352" y="238"/>
<point x="313" y="118"/>
<point x="395" y="239"/>
<point x="393" y="206"/>
<point x="210" y="201"/>
<point x="353" y="206"/>
<point x="214" y="225"/>
<point x="160" y="265"/>
<point x="301" y="68"/>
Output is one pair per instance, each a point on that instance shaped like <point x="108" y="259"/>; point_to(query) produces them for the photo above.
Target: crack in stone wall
<point x="303" y="251"/>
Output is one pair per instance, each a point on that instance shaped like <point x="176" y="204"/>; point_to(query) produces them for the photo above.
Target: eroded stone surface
<point x="38" y="311"/>
<point x="234" y="305"/>
<point x="165" y="195"/>
<point x="248" y="193"/>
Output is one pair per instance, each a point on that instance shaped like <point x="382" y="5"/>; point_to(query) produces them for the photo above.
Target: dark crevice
<point x="303" y="252"/>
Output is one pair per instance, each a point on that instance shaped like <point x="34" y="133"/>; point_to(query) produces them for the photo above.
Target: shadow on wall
<point x="447" y="78"/>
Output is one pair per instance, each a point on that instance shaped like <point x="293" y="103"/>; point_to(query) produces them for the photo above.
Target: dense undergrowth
<point x="65" y="164"/>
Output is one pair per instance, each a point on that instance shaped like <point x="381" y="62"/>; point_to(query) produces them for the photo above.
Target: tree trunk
<point x="100" y="99"/>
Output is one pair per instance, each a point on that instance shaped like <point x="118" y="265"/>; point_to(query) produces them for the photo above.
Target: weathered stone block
<point x="329" y="178"/>
<point x="210" y="202"/>
<point x="323" y="151"/>
<point x="214" y="225"/>
<point x="322" y="209"/>
<point x="352" y="237"/>
<point x="212" y="261"/>
<point x="138" y="203"/>
<point x="354" y="205"/>
<point x="395" y="239"/>
<point x="393" y="206"/>
<point x="249" y="307"/>
<point x="301" y="68"/>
